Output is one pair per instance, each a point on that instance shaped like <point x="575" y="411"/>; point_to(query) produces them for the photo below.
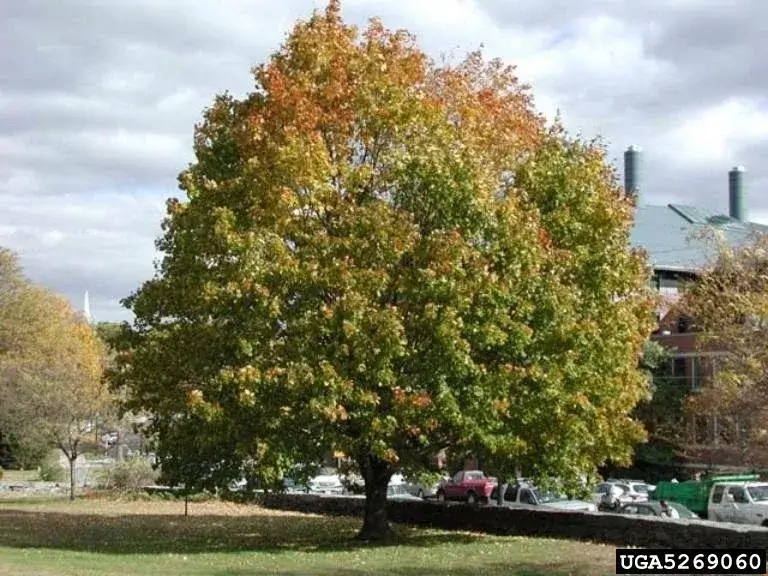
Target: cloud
<point x="98" y="101"/>
<point x="100" y="242"/>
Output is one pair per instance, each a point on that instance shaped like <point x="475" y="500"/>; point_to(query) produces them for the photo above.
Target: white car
<point x="526" y="495"/>
<point x="739" y="502"/>
<point x="631" y="491"/>
<point x="325" y="484"/>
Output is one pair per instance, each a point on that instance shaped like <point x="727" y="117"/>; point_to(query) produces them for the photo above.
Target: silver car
<point x="424" y="490"/>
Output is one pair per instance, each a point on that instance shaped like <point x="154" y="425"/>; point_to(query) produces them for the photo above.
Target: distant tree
<point x="387" y="256"/>
<point x="729" y="306"/>
<point x="51" y="369"/>
<point x="108" y="332"/>
<point x="663" y="413"/>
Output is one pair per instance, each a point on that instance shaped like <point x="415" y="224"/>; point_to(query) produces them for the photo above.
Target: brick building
<point x="668" y="233"/>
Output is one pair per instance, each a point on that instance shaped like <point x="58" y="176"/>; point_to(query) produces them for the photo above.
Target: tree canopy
<point x="51" y="366"/>
<point x="729" y="305"/>
<point x="387" y="255"/>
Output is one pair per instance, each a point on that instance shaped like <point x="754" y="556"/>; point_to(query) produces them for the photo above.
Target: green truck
<point x="694" y="494"/>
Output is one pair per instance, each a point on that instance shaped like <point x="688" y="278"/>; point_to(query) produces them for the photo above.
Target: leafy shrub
<point x="51" y="470"/>
<point x="129" y="474"/>
<point x="201" y="497"/>
<point x="1" y="472"/>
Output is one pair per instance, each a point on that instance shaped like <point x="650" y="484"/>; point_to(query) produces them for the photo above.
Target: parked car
<point x="395" y="491"/>
<point x="653" y="508"/>
<point x="637" y="490"/>
<point x="400" y="492"/>
<point x="426" y="489"/>
<point x="327" y="482"/>
<point x="353" y="483"/>
<point x="699" y="495"/>
<point x="742" y="503"/>
<point x="471" y="486"/>
<point x="631" y="491"/>
<point x="524" y="494"/>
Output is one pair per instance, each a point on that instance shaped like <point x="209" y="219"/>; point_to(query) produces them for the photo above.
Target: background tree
<point x="387" y="256"/>
<point x="663" y="412"/>
<point x="51" y="370"/>
<point x="729" y="305"/>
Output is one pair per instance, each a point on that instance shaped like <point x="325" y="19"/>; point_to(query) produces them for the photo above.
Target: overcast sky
<point x="98" y="99"/>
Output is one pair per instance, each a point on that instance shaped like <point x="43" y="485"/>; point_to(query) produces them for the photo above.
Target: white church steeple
<point x="87" y="308"/>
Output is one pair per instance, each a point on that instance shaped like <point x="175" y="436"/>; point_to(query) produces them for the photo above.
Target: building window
<point x="669" y="281"/>
<point x="697" y="373"/>
<point x="684" y="324"/>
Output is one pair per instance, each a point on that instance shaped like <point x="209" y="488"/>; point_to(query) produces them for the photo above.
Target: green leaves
<point x="403" y="259"/>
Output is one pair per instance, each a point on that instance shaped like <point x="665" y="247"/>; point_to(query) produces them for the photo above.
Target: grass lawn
<point x="103" y="537"/>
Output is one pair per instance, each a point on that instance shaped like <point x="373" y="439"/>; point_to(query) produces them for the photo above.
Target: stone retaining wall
<point x="591" y="526"/>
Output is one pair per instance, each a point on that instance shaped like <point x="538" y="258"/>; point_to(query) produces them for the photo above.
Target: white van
<point x="739" y="502"/>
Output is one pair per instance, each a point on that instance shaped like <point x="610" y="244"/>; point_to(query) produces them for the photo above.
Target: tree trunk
<point x="502" y="487"/>
<point x="377" y="474"/>
<point x="72" y="477"/>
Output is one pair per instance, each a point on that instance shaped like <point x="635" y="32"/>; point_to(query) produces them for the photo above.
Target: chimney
<point x="736" y="204"/>
<point x="632" y="160"/>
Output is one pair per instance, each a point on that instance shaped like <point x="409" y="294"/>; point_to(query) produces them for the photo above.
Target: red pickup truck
<point x="468" y="485"/>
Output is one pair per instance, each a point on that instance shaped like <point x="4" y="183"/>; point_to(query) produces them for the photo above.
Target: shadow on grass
<point x="496" y="569"/>
<point x="153" y="534"/>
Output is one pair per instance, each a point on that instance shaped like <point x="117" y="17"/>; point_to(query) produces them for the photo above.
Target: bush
<point x="130" y="474"/>
<point x="1" y="472"/>
<point x="51" y="470"/>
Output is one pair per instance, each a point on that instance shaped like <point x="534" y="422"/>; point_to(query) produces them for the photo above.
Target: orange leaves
<point x="391" y="456"/>
<point x="411" y="399"/>
<point x="489" y="108"/>
<point x="422" y="400"/>
<point x="581" y="399"/>
<point x="501" y="405"/>
<point x="545" y="240"/>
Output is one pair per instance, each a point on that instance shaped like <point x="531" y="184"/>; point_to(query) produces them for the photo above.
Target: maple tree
<point x="386" y="255"/>
<point x="51" y="367"/>
<point x="728" y="304"/>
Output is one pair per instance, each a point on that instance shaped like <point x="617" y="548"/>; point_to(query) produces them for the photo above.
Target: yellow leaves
<point x="413" y="431"/>
<point x="51" y="366"/>
<point x="247" y="397"/>
<point x="502" y="406"/>
<point x="194" y="398"/>
<point x="336" y="413"/>
<point x="349" y="329"/>
<point x="328" y="372"/>
<point x="581" y="399"/>
<point x="391" y="456"/>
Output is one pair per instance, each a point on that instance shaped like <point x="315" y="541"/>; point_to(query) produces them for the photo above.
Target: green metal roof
<point x="667" y="233"/>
